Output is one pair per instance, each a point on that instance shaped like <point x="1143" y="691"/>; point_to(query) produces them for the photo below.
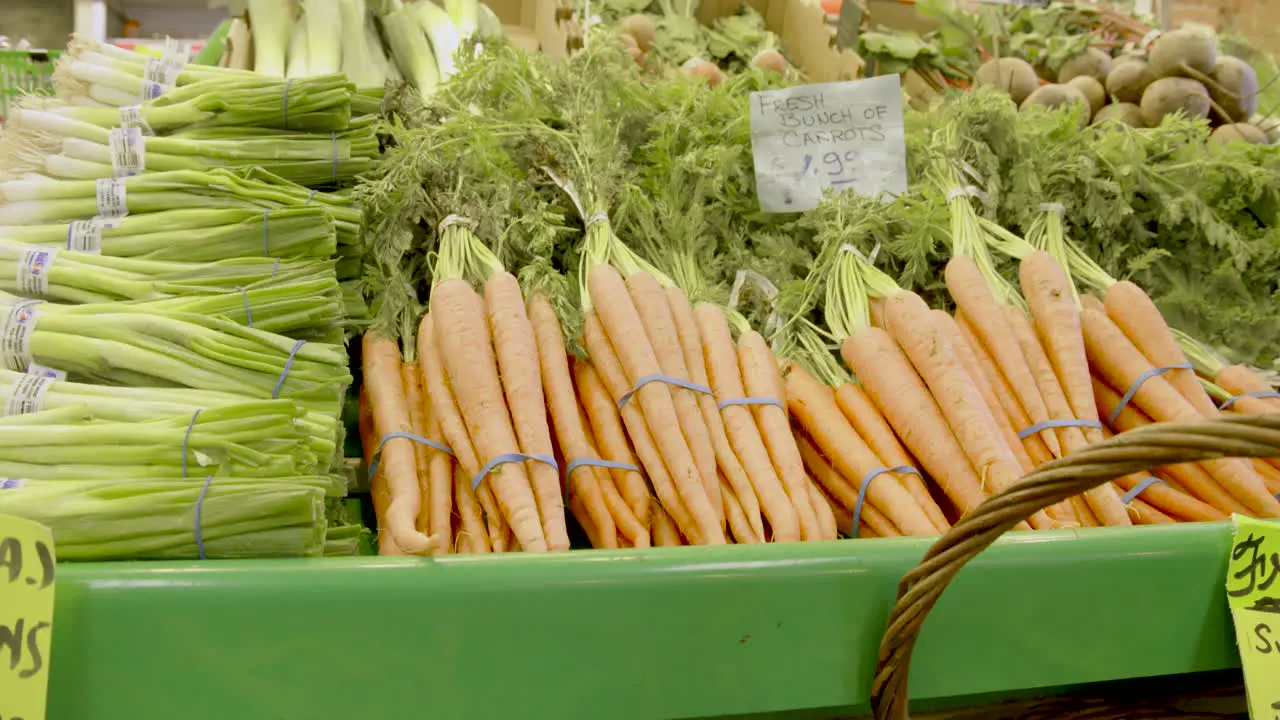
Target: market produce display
<point x="181" y="274"/>
<point x="710" y="374"/>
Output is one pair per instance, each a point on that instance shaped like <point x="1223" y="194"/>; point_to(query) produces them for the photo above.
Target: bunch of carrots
<point x="669" y="431"/>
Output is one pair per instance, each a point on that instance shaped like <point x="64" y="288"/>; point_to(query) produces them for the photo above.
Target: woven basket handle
<point x="1139" y="450"/>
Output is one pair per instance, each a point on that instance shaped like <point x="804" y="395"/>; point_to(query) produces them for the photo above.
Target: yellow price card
<point x="26" y="617"/>
<point x="1253" y="591"/>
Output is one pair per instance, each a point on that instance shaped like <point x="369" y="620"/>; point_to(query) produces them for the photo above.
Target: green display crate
<point x="775" y="630"/>
<point x="22" y="72"/>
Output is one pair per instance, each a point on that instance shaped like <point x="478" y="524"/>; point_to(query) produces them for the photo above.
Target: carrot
<point x="1148" y="515"/>
<point x="1121" y="364"/>
<point x="826" y="517"/>
<point x="472" y="369"/>
<point x="377" y="484"/>
<point x="584" y="519"/>
<point x="1138" y="318"/>
<point x="843" y="492"/>
<point x="973" y="296"/>
<point x="399" y="467"/>
<point x="444" y="409"/>
<point x="1102" y="500"/>
<point x="951" y="329"/>
<point x="625" y="330"/>
<point x="410" y="379"/>
<point x="614" y="380"/>
<point x="872" y="427"/>
<point x="821" y="418"/>
<point x="843" y="517"/>
<point x="655" y="314"/>
<point x="762" y="379"/>
<point x="895" y="387"/>
<point x="665" y="533"/>
<point x="472" y="527"/>
<point x="1092" y="302"/>
<point x="957" y="395"/>
<point x="1240" y="381"/>
<point x="517" y="351"/>
<point x="1037" y="452"/>
<point x="616" y="512"/>
<point x="875" y="309"/>
<point x="737" y="519"/>
<point x="744" y="435"/>
<point x="438" y="498"/>
<point x="730" y="466"/>
<point x="611" y="439"/>
<point x="1269" y="474"/>
<point x="1172" y="502"/>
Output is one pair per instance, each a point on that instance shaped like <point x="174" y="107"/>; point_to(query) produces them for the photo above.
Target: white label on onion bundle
<point x="27" y="395"/>
<point x="839" y="136"/>
<point x="111" y="198"/>
<point x="159" y="75"/>
<point x="131" y="116"/>
<point x="15" y="334"/>
<point x="84" y="236"/>
<point x="128" y="151"/>
<point x="11" y="484"/>
<point x="36" y="368"/>
<point x="33" y="271"/>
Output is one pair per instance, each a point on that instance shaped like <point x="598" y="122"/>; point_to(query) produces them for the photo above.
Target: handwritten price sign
<point x="840" y="136"/>
<point x="26" y="617"/>
<point x="1254" y="596"/>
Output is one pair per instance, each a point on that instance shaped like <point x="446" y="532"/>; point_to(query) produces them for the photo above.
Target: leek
<point x="271" y="22"/>
<point x="443" y="34"/>
<point x="324" y="36"/>
<point x="299" y="56"/>
<point x="465" y="15"/>
<point x="410" y="49"/>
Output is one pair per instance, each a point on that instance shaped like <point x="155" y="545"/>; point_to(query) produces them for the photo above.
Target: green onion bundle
<point x="157" y="519"/>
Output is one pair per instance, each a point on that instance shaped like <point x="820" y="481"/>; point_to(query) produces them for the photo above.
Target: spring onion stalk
<point x="356" y="63"/>
<point x="410" y="48"/>
<point x="180" y="349"/>
<point x="201" y="235"/>
<point x="81" y="401"/>
<point x="324" y="35"/>
<point x="271" y="22"/>
<point x="443" y="34"/>
<point x="298" y="66"/>
<point x="155" y="519"/>
<point x="346" y="540"/>
<point x="88" y="63"/>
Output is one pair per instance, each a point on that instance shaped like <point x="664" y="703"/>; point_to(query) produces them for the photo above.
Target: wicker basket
<point x="1139" y="450"/>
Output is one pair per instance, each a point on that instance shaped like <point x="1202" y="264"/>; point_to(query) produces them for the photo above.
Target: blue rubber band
<point x="199" y="508"/>
<point x="266" y="249"/>
<point x="1048" y="424"/>
<point x="288" y="365"/>
<point x="309" y="196"/>
<point x="274" y="267"/>
<point x="377" y="454"/>
<point x="285" y="101"/>
<point x="659" y="377"/>
<point x="862" y="491"/>
<point x="576" y="463"/>
<point x="248" y="314"/>
<point x="1133" y="389"/>
<point x="750" y="401"/>
<point x="513" y="457"/>
<point x="1137" y="489"/>
<point x="1259" y="394"/>
<point x="186" y="437"/>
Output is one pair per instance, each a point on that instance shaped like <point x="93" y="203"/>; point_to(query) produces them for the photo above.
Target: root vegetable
<point x="1055" y="96"/>
<point x="1246" y="132"/>
<point x="1092" y="62"/>
<point x="1092" y="90"/>
<point x="1234" y="87"/>
<point x="641" y="29"/>
<point x="1012" y="75"/>
<point x="771" y="60"/>
<point x="704" y="69"/>
<point x="1122" y="112"/>
<point x="1183" y="52"/>
<point x="1128" y="79"/>
<point x="1169" y="95"/>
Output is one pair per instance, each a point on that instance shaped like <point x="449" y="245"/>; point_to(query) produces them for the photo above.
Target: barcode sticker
<point x="111" y="198"/>
<point x="15" y="334"/>
<point x="159" y="75"/>
<point x="33" y="271"/>
<point x="128" y="151"/>
<point x="131" y="117"/>
<point x="86" y="235"/>
<point x="27" y="395"/>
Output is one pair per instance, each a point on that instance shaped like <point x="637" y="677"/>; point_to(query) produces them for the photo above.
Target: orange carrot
<point x="619" y="514"/>
<point x="472" y="527"/>
<point x="1147" y="514"/>
<point x="584" y="519"/>
<point x="613" y="378"/>
<point x="1269" y="474"/>
<point x="875" y="430"/>
<point x="843" y="492"/>
<point x="412" y="383"/>
<point x="1138" y="318"/>
<point x="665" y="533"/>
<point x="398" y="465"/>
<point x="737" y="519"/>
<point x="1240" y="380"/>
<point x="1121" y="364"/>
<point x="816" y="410"/>
<point x="826" y="518"/>
<point x="744" y="435"/>
<point x="761" y="379"/>
<point x="895" y="387"/>
<point x="377" y="483"/>
<point x="957" y="395"/>
<point x="730" y="466"/>
<point x="1172" y="502"/>
<point x="472" y="369"/>
<point x="516" y="349"/>
<point x="843" y="517"/>
<point x="655" y="314"/>
<point x="621" y="320"/>
<point x="611" y="439"/>
<point x="973" y="296"/>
